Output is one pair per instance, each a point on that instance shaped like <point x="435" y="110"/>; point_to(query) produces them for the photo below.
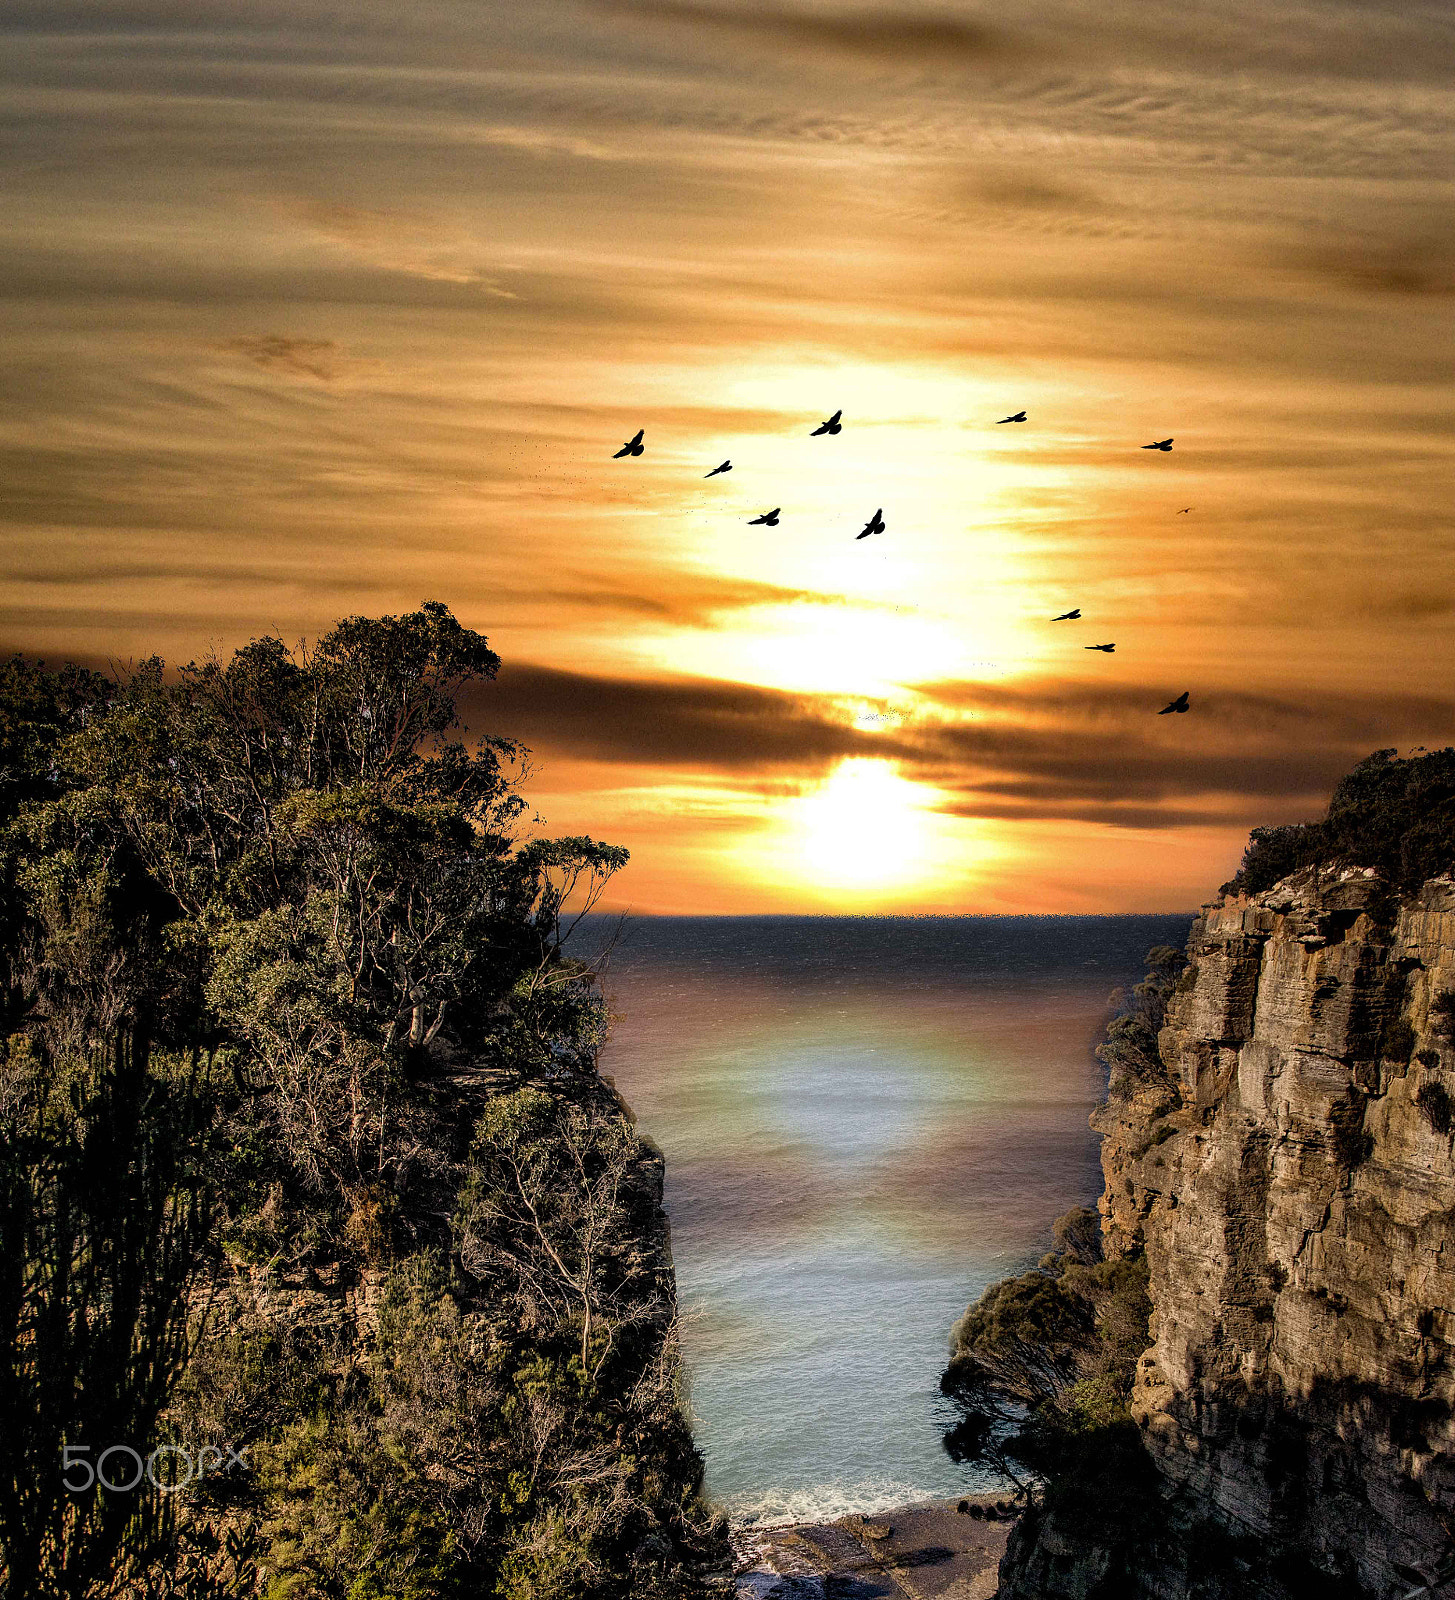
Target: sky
<point x="311" y="310"/>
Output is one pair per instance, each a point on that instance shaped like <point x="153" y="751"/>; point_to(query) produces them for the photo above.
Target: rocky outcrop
<point x="1290" y="1176"/>
<point x="437" y="1357"/>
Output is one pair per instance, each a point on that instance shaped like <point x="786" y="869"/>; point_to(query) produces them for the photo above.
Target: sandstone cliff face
<point x="1295" y="1195"/>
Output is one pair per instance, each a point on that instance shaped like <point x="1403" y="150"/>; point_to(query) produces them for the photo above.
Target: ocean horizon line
<point x="881" y="916"/>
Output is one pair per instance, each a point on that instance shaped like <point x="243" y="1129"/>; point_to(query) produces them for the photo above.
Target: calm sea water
<point x="866" y="1121"/>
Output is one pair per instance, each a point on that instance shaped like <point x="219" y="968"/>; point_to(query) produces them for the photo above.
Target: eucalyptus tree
<point x="264" y="917"/>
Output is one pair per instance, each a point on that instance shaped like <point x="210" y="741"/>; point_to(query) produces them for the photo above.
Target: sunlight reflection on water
<point x="866" y="1121"/>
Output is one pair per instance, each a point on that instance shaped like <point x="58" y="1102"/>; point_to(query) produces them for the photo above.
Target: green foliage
<point x="343" y="1515"/>
<point x="1397" y="816"/>
<point x="1041" y="1366"/>
<point x="1130" y="1050"/>
<point x="1091" y="1405"/>
<point x="1126" y="1311"/>
<point x="551" y="1557"/>
<point x="271" y="946"/>
<point x="1033" y="1312"/>
<point x="38" y="709"/>
<point x="1272" y="854"/>
<point x="1077" y="1235"/>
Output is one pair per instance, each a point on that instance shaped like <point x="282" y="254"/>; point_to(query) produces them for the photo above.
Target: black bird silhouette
<point x="1066" y="616"/>
<point x="633" y="447"/>
<point x="1159" y="444"/>
<point x="769" y="519"/>
<point x="833" y="425"/>
<point x="1179" y="704"/>
<point x="727" y="466"/>
<point x="1107" y="647"/>
<point x="1020" y="416"/>
<point x="875" y="524"/>
<point x="1185" y="509"/>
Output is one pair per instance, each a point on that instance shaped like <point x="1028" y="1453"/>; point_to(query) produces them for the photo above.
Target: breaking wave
<point x="824" y="1502"/>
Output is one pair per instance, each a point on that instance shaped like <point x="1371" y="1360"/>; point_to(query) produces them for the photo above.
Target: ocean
<point x="866" y="1121"/>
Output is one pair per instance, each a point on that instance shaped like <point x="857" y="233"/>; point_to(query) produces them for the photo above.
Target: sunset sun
<point x="863" y="828"/>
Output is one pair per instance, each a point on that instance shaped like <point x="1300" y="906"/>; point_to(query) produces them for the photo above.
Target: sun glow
<point x="865" y="828"/>
<point x="944" y="592"/>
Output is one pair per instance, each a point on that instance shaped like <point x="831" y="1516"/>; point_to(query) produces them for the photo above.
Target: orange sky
<point x="308" y="311"/>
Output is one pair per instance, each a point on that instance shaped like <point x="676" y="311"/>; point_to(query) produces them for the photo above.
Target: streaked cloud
<point x="396" y="242"/>
<point x="680" y="724"/>
<point x="879" y="33"/>
<point x="305" y="319"/>
<point x="1092" y="754"/>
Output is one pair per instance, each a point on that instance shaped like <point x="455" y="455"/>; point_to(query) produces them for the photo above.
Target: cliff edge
<point x="1287" y="1169"/>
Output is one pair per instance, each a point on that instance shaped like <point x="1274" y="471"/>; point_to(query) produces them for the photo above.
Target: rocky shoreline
<point x="938" y="1550"/>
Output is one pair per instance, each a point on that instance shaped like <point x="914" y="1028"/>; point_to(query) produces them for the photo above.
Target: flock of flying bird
<point x="876" y="523"/>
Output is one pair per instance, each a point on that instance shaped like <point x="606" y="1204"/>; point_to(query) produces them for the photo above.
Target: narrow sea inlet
<point x="866" y="1121"/>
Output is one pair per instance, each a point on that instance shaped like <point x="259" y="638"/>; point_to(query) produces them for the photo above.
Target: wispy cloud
<point x="274" y="352"/>
<point x="397" y="241"/>
<point x="879" y="33"/>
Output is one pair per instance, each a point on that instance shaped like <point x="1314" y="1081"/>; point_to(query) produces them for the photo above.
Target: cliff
<point x="1287" y="1169"/>
<point x="316" y="1208"/>
<point x="327" y="1369"/>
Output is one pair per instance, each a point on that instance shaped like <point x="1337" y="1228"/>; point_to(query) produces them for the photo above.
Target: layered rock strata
<point x="1290" y="1176"/>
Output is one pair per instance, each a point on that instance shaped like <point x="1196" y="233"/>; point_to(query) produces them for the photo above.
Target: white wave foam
<point x="825" y="1502"/>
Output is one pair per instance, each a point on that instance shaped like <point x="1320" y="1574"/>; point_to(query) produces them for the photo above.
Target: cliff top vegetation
<point x="1395" y="815"/>
<point x="305" y="1165"/>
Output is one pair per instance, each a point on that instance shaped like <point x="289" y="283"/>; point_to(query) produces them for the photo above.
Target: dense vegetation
<point x="1398" y="816"/>
<point x="305" y="1167"/>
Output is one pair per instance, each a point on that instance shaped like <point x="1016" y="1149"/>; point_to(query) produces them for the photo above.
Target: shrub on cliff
<point x="1352" y="1143"/>
<point x="1077" y="1236"/>
<point x="1398" y="816"/>
<point x="1130" y="1049"/>
<point x="1434" y="1100"/>
<point x="1042" y="1365"/>
<point x="1442" y="1016"/>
